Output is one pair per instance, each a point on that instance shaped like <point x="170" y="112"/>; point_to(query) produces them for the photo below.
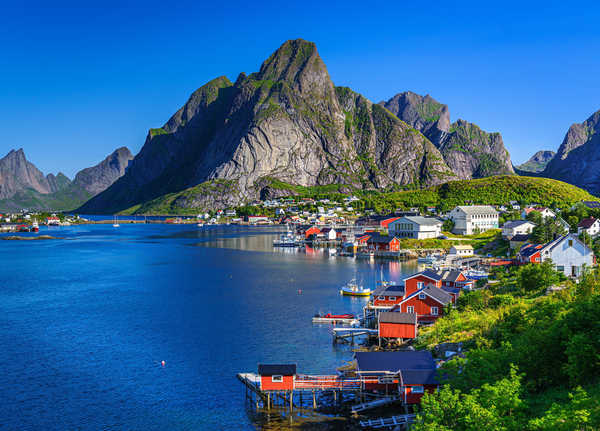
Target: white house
<point x="516" y="227"/>
<point x="461" y="250"/>
<point x="589" y="225"/>
<point x="545" y="212"/>
<point x="329" y="233"/>
<point x="473" y="218"/>
<point x="416" y="227"/>
<point x="568" y="254"/>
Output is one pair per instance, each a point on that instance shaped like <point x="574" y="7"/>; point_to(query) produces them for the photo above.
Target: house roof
<point x="587" y="222"/>
<point x="395" y="317"/>
<point x="379" y="238"/>
<point x="462" y="247"/>
<point x="420" y="220"/>
<point x="449" y="275"/>
<point x="516" y="223"/>
<point x="277" y="369"/>
<point x="436" y="293"/>
<point x="477" y="209"/>
<point x="416" y="366"/>
<point x="530" y="249"/>
<point x="429" y="273"/>
<point x="389" y="291"/>
<point x="520" y="238"/>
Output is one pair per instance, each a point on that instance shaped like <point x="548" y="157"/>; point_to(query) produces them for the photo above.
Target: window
<point x="434" y="311"/>
<point x="381" y="298"/>
<point x="421" y="295"/>
<point x="560" y="268"/>
<point x="277" y="379"/>
<point x="419" y="285"/>
<point x="570" y="243"/>
<point x="392" y="298"/>
<point x="416" y="389"/>
<point x="410" y="309"/>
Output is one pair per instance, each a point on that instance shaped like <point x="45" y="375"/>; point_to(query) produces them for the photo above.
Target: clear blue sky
<point x="78" y="81"/>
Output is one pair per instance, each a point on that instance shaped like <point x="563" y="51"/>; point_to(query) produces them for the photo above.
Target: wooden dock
<point x="374" y="404"/>
<point x="394" y="421"/>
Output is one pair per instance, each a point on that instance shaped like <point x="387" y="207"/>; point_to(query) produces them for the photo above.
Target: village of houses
<point x="390" y="372"/>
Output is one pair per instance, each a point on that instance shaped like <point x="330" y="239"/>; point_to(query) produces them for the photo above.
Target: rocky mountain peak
<point x="97" y="178"/>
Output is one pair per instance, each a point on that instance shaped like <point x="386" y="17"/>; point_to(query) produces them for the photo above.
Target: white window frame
<point x="422" y="295"/>
<point x="417" y="390"/>
<point x="434" y="311"/>
<point x="410" y="309"/>
<point x="420" y="284"/>
<point x="381" y="298"/>
<point x="277" y="378"/>
<point x="392" y="298"/>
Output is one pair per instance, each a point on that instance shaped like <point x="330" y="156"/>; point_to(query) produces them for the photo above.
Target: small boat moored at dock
<point x="335" y="318"/>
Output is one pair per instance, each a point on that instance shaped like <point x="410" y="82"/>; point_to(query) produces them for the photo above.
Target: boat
<point x="353" y="289"/>
<point x="475" y="274"/>
<point x="334" y="318"/>
<point x="35" y="227"/>
<point x="429" y="259"/>
<point x="115" y="224"/>
<point x="286" y="240"/>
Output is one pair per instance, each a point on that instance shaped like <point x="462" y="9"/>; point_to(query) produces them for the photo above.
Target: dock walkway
<point x="388" y="422"/>
<point x="373" y="404"/>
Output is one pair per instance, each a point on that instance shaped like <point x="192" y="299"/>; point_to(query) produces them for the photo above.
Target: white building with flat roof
<point x="473" y="218"/>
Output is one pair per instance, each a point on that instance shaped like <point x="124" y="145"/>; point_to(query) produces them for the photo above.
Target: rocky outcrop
<point x="18" y="174"/>
<point x="286" y="122"/>
<point x="537" y="162"/>
<point x="98" y="178"/>
<point x="578" y="158"/>
<point x="467" y="150"/>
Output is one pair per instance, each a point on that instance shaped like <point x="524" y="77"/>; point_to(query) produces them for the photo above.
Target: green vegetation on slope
<point x="531" y="359"/>
<point x="66" y="199"/>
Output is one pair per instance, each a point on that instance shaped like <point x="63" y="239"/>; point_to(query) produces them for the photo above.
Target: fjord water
<point x="86" y="320"/>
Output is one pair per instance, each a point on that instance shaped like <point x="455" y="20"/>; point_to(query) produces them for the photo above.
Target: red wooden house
<point x="380" y="242"/>
<point x="530" y="253"/>
<point x="313" y="230"/>
<point x="388" y="296"/>
<point x="409" y="373"/>
<point x="277" y="377"/>
<point x="397" y="325"/>
<point x="428" y="303"/>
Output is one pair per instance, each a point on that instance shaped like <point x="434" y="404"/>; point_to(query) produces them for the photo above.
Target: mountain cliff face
<point x="537" y="162"/>
<point x="18" y="174"/>
<point x="286" y="122"/>
<point x="467" y="150"/>
<point x="578" y="158"/>
<point x="22" y="185"/>
<point x="98" y="178"/>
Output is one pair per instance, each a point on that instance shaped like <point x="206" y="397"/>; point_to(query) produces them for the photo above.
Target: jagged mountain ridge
<point x="23" y="185"/>
<point x="577" y="160"/>
<point x="538" y="162"/>
<point x="467" y="150"/>
<point x="287" y="121"/>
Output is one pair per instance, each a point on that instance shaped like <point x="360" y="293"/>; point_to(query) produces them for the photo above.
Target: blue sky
<point x="78" y="81"/>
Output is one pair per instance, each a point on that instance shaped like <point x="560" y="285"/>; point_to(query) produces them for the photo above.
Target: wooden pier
<point x="349" y="334"/>
<point x="391" y="422"/>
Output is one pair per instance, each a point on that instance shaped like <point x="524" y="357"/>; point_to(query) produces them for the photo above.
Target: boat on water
<point x="335" y="318"/>
<point x="475" y="274"/>
<point x="35" y="227"/>
<point x="116" y="223"/>
<point x="353" y="289"/>
<point x="285" y="240"/>
<point x="430" y="259"/>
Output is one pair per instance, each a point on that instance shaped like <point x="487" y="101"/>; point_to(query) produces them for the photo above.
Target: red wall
<point x="423" y="307"/>
<point x="416" y="398"/>
<point x="267" y="385"/>
<point x="377" y="301"/>
<point x="397" y="330"/>
<point x="410" y="285"/>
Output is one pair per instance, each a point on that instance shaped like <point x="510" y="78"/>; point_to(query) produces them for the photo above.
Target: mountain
<point x="467" y="150"/>
<point x="578" y="158"/>
<point x="98" y="178"/>
<point x="537" y="162"/>
<point x="22" y="185"/>
<point x="285" y="122"/>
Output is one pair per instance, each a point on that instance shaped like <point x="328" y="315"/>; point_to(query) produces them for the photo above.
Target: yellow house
<point x="461" y="250"/>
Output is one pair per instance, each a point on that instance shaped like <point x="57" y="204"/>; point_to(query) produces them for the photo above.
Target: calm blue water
<point x="86" y="320"/>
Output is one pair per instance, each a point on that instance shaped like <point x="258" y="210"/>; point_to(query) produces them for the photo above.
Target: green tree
<point x="535" y="277"/>
<point x="448" y="225"/>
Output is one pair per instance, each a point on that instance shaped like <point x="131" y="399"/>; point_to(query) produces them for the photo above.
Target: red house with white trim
<point x="428" y="303"/>
<point x="277" y="377"/>
<point x="397" y="325"/>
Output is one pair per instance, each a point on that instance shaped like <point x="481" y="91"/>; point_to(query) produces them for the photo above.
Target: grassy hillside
<point x="490" y="190"/>
<point x="66" y="199"/>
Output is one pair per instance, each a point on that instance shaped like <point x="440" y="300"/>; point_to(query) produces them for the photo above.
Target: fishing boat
<point x="475" y="274"/>
<point x="335" y="318"/>
<point x="353" y="289"/>
<point x="116" y="224"/>
<point x="428" y="260"/>
<point x="285" y="240"/>
<point x="35" y="227"/>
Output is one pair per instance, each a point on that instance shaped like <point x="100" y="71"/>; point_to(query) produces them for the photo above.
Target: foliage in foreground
<point x="532" y="360"/>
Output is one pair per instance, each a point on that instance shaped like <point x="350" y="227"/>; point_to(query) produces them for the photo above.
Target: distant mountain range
<point x="537" y="162"/>
<point x="286" y="127"/>
<point x="288" y="123"/>
<point x="22" y="185"/>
